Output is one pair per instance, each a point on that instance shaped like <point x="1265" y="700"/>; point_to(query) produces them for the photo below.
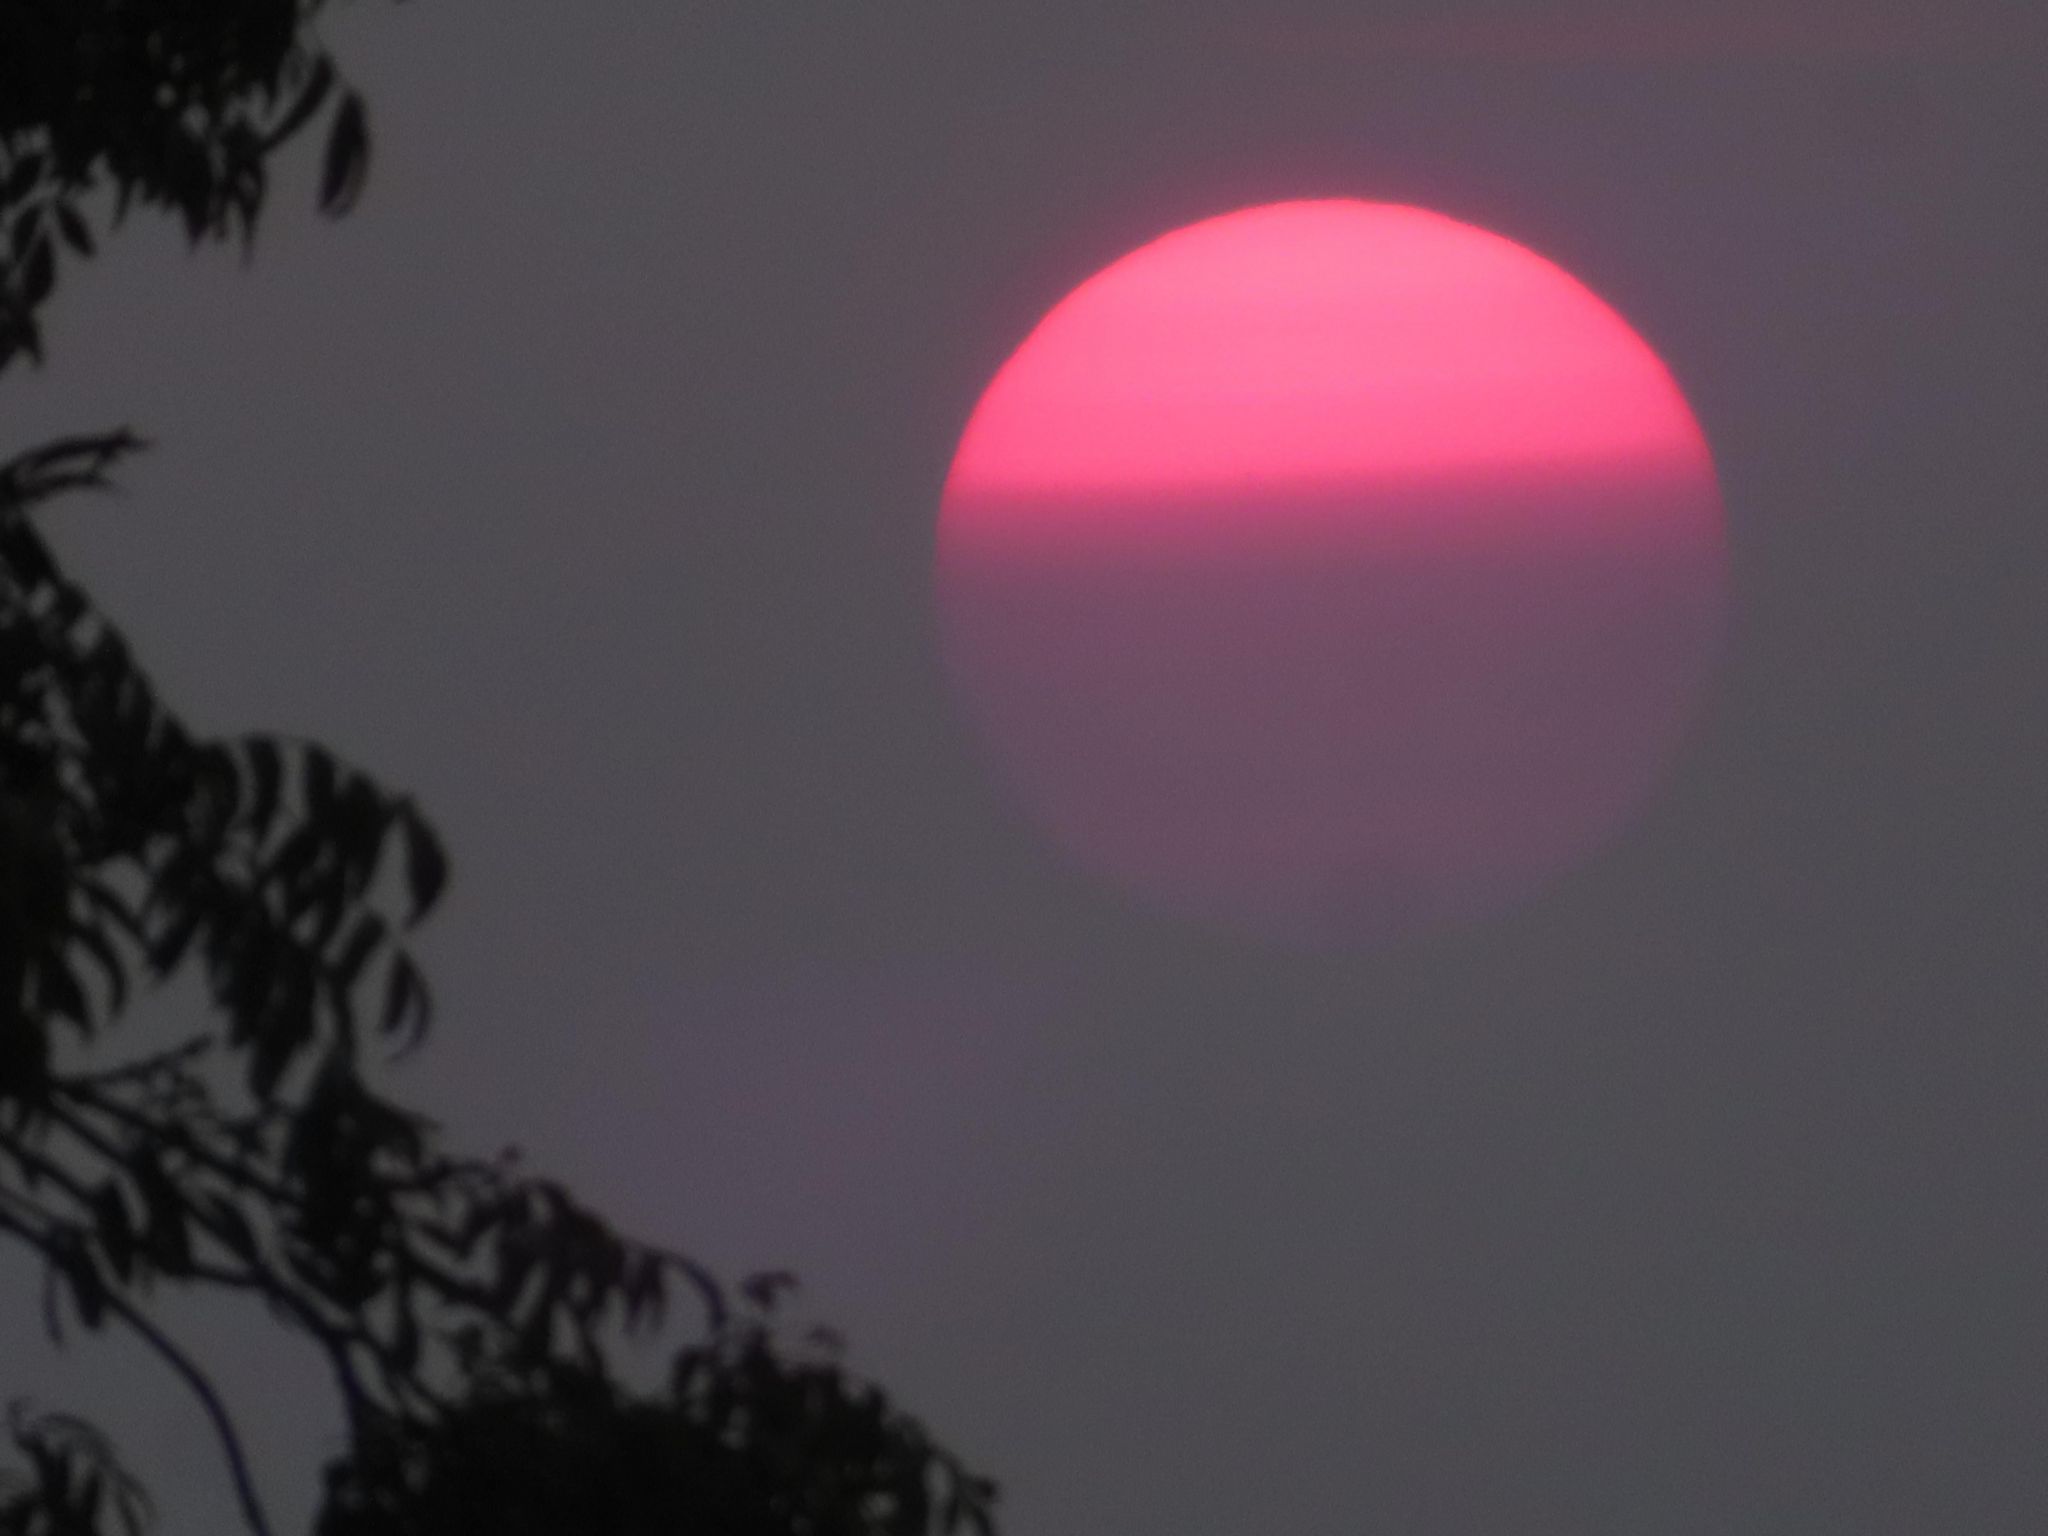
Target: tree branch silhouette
<point x="470" y="1315"/>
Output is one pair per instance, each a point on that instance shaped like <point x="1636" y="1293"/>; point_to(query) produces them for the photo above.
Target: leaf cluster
<point x="131" y="846"/>
<point x="750" y="1440"/>
<point x="69" y="1481"/>
<point x="171" y="104"/>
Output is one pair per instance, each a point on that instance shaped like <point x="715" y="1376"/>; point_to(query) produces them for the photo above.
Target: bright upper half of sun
<point x="1317" y="342"/>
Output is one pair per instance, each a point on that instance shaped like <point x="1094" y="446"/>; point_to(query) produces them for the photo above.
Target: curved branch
<point x="337" y="1339"/>
<point x="187" y="1369"/>
<point x="209" y="1400"/>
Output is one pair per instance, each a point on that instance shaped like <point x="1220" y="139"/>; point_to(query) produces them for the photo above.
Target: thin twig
<point x="202" y="1387"/>
<point x="210" y="1401"/>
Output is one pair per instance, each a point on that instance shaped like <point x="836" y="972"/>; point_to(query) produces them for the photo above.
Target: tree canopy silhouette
<point x="472" y="1315"/>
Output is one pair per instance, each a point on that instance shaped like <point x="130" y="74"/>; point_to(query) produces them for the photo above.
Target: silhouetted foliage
<point x="747" y="1443"/>
<point x="70" y="1483"/>
<point x="469" y="1313"/>
<point x="172" y="104"/>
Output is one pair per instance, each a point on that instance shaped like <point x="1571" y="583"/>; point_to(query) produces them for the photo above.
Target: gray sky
<point x="584" y="483"/>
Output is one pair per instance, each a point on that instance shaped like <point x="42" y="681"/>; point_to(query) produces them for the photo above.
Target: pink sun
<point x="1332" y="570"/>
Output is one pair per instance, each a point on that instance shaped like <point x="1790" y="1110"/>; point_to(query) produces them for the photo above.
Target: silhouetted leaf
<point x="23" y="233"/>
<point x="426" y="865"/>
<point x="767" y="1288"/>
<point x="59" y="993"/>
<point x="168" y="949"/>
<point x="319" y="83"/>
<point x="115" y="1232"/>
<point x="266" y="776"/>
<point x="39" y="275"/>
<point x="77" y="234"/>
<point x="347" y="161"/>
<point x="114" y="973"/>
<point x="228" y="1223"/>
<point x="317" y="778"/>
<point x="22" y="176"/>
<point x="405" y="999"/>
<point x="88" y="1289"/>
<point x="363" y="940"/>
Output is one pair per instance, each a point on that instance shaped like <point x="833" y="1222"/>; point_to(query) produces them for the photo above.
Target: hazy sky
<point x="584" y="482"/>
